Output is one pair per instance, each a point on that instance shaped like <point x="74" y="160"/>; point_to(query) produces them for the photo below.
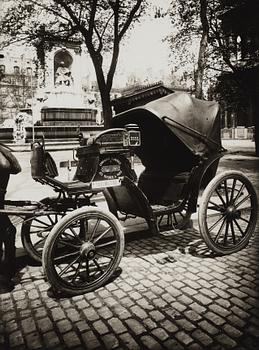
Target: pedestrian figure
<point x="8" y="165"/>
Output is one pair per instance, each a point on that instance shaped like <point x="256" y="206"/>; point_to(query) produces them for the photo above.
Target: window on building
<point x="29" y="71"/>
<point x="16" y="69"/>
<point x="2" y="68"/>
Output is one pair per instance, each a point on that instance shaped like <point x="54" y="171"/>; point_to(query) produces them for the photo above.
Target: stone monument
<point x="61" y="107"/>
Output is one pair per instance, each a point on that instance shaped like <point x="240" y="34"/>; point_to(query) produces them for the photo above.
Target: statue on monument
<point x="63" y="75"/>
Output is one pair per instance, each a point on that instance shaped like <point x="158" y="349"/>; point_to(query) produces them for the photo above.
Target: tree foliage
<point x="191" y="20"/>
<point x="100" y="24"/>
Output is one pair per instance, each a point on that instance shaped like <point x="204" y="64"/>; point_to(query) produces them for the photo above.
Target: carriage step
<point x="164" y="209"/>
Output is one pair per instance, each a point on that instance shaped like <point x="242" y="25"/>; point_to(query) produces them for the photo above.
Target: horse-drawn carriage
<point x="177" y="140"/>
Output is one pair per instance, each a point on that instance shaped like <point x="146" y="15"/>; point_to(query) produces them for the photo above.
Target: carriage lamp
<point x="134" y="140"/>
<point x="134" y="135"/>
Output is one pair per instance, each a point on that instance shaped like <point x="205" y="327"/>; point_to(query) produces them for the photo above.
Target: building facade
<point x="18" y="83"/>
<point x="240" y="26"/>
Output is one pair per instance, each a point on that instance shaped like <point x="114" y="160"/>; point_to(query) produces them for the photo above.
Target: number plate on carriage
<point x="106" y="183"/>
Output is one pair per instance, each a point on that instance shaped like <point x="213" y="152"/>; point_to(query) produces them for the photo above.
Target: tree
<point x="101" y="24"/>
<point x="198" y="38"/>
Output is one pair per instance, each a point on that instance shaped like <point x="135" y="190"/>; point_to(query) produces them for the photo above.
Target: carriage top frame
<point x="177" y="122"/>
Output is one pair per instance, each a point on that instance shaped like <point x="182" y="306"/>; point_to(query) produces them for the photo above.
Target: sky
<point x="146" y="52"/>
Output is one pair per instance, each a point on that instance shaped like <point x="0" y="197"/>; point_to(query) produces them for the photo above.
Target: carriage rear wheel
<point x="228" y="212"/>
<point x="83" y="251"/>
<point x="35" y="230"/>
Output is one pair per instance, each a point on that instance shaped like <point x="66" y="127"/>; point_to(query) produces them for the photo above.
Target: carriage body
<point x="177" y="141"/>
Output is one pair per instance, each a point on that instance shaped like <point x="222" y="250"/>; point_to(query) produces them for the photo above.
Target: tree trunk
<point x="106" y="105"/>
<point x="103" y="88"/>
<point x="202" y="51"/>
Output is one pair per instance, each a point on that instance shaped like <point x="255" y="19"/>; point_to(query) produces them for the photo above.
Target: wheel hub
<point x="87" y="250"/>
<point x="232" y="212"/>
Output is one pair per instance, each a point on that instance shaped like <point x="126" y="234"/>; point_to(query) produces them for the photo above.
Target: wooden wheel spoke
<point x="220" y="197"/>
<point x="73" y="233"/>
<point x="102" y="235"/>
<point x="77" y="271"/>
<point x="240" y="229"/>
<point x="226" y="233"/>
<point x="215" y="206"/>
<point x="246" y="209"/>
<point x="216" y="223"/>
<point x="98" y="265"/>
<point x="226" y="191"/>
<point x="220" y="230"/>
<point x="160" y="219"/>
<point x="69" y="244"/>
<point x="68" y="266"/>
<point x="233" y="232"/>
<point x="233" y="190"/>
<point x="69" y="255"/>
<point x="105" y="255"/>
<point x="94" y="229"/>
<point x="51" y="220"/>
<point x="243" y="200"/>
<point x="106" y="244"/>
<point x="44" y="223"/>
<point x="243" y="219"/>
<point x="238" y="193"/>
<point x="39" y="242"/>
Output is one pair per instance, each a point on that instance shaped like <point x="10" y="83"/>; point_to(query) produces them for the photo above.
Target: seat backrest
<point x="42" y="163"/>
<point x="37" y="160"/>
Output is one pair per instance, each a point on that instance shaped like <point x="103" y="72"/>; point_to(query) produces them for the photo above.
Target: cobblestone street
<point x="170" y="293"/>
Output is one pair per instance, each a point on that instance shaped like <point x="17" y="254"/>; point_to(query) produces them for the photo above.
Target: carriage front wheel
<point x="83" y="251"/>
<point x="228" y="212"/>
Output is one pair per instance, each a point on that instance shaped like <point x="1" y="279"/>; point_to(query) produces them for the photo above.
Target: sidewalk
<point x="171" y="294"/>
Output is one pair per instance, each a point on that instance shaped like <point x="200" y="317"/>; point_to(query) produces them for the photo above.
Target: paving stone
<point x="219" y="310"/>
<point x="150" y="343"/>
<point x="192" y="315"/>
<point x="139" y="312"/>
<point x="135" y="326"/>
<point x="8" y="316"/>
<point x="28" y="325"/>
<point x="90" y="314"/>
<point x="208" y="327"/>
<point x="149" y="324"/>
<point x="34" y="341"/>
<point x="64" y="326"/>
<point x="202" y="337"/>
<point x="239" y="312"/>
<point x="90" y="340"/>
<point x="217" y="320"/>
<point x="45" y="324"/>
<point x="110" y="341"/>
<point x="50" y="339"/>
<point x="71" y="339"/>
<point x="226" y="341"/>
<point x="232" y="331"/>
<point x="146" y="305"/>
<point x="202" y="299"/>
<point x="129" y="341"/>
<point x="185" y="324"/>
<point x="198" y="308"/>
<point x="16" y="339"/>
<point x="10" y="327"/>
<point x="183" y="338"/>
<point x="160" y="334"/>
<point x="117" y="326"/>
<point x="156" y="315"/>
<point x="173" y="344"/>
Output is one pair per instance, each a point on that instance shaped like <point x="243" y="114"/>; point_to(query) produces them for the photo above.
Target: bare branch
<point x="129" y="19"/>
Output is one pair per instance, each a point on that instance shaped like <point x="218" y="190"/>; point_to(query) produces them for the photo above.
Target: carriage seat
<point x="44" y="170"/>
<point x="163" y="188"/>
